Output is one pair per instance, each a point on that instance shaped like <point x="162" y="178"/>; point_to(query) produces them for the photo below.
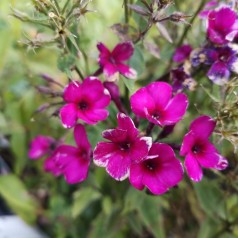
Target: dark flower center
<point x="125" y="146"/>
<point x="156" y="116"/>
<point x="112" y="60"/>
<point x="83" y="106"/>
<point x="150" y="164"/>
<point x="196" y="149"/>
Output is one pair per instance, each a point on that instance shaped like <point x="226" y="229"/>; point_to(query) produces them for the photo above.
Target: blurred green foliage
<point x="101" y="207"/>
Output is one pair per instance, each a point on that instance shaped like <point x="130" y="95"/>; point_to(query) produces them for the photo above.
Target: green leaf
<point x="130" y="84"/>
<point x="65" y="62"/>
<point x="211" y="198"/>
<point x="82" y="199"/>
<point x="15" y="194"/>
<point x="209" y="228"/>
<point x="137" y="61"/>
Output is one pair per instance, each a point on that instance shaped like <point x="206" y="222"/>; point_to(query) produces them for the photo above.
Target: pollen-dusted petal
<point x="175" y="110"/>
<point x="81" y="138"/>
<point x="140" y="101"/>
<point x="219" y="73"/>
<point x="123" y="51"/>
<point x="115" y="135"/>
<point x="76" y="170"/>
<point x="72" y="92"/>
<point x="160" y="92"/>
<point x="193" y="168"/>
<point x="68" y="115"/>
<point x="127" y="71"/>
<point x="118" y="166"/>
<point x="104" y="54"/>
<point x="188" y="142"/>
<point x="126" y="123"/>
<point x="154" y="183"/>
<point x="136" y="176"/>
<point x="203" y="126"/>
<point x="140" y="148"/>
<point x="103" y="152"/>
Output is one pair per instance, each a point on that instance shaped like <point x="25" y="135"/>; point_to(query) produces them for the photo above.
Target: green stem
<point x="65" y="6"/>
<point x="126" y="11"/>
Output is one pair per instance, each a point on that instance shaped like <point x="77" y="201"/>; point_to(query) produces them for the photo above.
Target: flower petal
<point x="182" y="53"/>
<point x="115" y="135"/>
<point x="68" y="115"/>
<point x="203" y="126"/>
<point x="127" y="71"/>
<point x="140" y="101"/>
<point x="104" y="54"/>
<point x="136" y="176"/>
<point x="193" y="168"/>
<point x="219" y="73"/>
<point x="109" y="69"/>
<point x="81" y="138"/>
<point x="222" y="163"/>
<point x="188" y="143"/>
<point x="175" y="110"/>
<point x="73" y="92"/>
<point x="123" y="51"/>
<point x="96" y="115"/>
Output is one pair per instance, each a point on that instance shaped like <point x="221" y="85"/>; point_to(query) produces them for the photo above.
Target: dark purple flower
<point x="222" y="25"/>
<point x="125" y="147"/>
<point x="159" y="171"/>
<point x="40" y="146"/>
<point x="154" y="102"/>
<point x="72" y="162"/>
<point x="182" y="53"/>
<point x="112" y="62"/>
<point x="85" y="101"/>
<point x="199" y="151"/>
<point x="223" y="61"/>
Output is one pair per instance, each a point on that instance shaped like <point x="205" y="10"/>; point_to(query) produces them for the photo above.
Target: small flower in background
<point x="41" y="146"/>
<point x="72" y="162"/>
<point x="223" y="61"/>
<point x="199" y="151"/>
<point x="182" y="53"/>
<point x="159" y="171"/>
<point x="125" y="147"/>
<point x="208" y="7"/>
<point x="222" y="25"/>
<point x="154" y="103"/>
<point x="85" y="101"/>
<point x="112" y="62"/>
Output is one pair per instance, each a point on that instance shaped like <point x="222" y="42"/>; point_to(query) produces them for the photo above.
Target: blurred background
<point x="99" y="207"/>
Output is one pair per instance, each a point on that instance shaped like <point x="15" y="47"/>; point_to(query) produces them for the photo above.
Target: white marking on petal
<point x="106" y="92"/>
<point x="100" y="162"/>
<point x="234" y="66"/>
<point x="119" y="178"/>
<point x="131" y="74"/>
<point x="92" y="78"/>
<point x="148" y="141"/>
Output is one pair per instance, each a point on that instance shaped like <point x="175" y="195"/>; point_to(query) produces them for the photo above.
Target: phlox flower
<point x="222" y="25"/>
<point x="113" y="62"/>
<point x="72" y="162"/>
<point x="199" y="151"/>
<point x="85" y="101"/>
<point x="155" y="103"/>
<point x="125" y="146"/>
<point x="159" y="171"/>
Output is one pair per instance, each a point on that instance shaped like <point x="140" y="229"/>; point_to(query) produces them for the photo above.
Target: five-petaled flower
<point x="199" y="151"/>
<point x="222" y="25"/>
<point x="85" y="101"/>
<point x="126" y="147"/>
<point x="113" y="62"/>
<point x="154" y="103"/>
<point x="159" y="171"/>
<point x="72" y="162"/>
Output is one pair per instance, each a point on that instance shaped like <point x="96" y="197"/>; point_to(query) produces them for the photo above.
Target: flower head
<point x="222" y="25"/>
<point x="154" y="102"/>
<point x="199" y="151"/>
<point x="85" y="101"/>
<point x="72" y="162"/>
<point x="159" y="171"/>
<point x="113" y="62"/>
<point x="182" y="53"/>
<point x="208" y="7"/>
<point x="125" y="147"/>
<point x="40" y="146"/>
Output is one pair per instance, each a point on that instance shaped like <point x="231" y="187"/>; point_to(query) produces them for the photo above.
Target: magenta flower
<point x="72" y="162"/>
<point x="40" y="146"/>
<point x="154" y="102"/>
<point x="159" y="171"/>
<point x="199" y="151"/>
<point x="182" y="53"/>
<point x="208" y="7"/>
<point x="113" y="62"/>
<point x="85" y="101"/>
<point x="126" y="146"/>
<point x="222" y="25"/>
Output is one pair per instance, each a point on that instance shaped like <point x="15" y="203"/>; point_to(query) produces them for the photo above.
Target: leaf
<point x="138" y="9"/>
<point x="163" y="32"/>
<point x="130" y="84"/>
<point x="15" y="194"/>
<point x="82" y="199"/>
<point x="211" y="198"/>
<point x="137" y="61"/>
<point x="65" y="62"/>
<point x="152" y="48"/>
